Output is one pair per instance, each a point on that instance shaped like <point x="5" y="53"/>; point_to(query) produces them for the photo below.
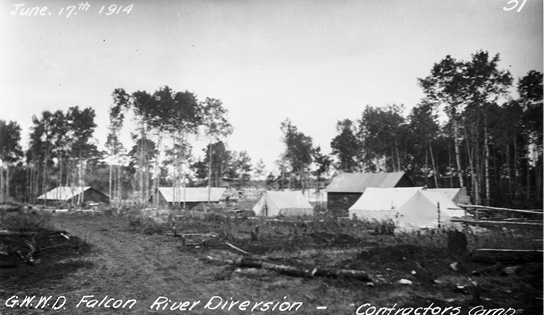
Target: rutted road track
<point x="125" y="265"/>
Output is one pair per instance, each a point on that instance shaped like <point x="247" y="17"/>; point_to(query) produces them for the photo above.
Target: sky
<point x="313" y="62"/>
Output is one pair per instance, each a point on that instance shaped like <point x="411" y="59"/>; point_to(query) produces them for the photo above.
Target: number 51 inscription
<point x="514" y="4"/>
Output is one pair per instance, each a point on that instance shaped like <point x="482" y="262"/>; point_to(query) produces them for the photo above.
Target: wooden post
<point x="465" y="224"/>
<point x="438" y="208"/>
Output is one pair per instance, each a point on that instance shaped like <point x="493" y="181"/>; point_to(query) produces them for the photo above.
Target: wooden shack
<point x="346" y="188"/>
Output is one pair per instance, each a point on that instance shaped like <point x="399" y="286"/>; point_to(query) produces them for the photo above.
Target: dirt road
<point x="128" y="272"/>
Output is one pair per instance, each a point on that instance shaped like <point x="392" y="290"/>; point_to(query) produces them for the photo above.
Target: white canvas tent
<point x="283" y="203"/>
<point x="457" y="195"/>
<point x="406" y="207"/>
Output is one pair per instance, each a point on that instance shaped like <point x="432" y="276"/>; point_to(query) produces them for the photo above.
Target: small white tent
<point x="283" y="203"/>
<point x="406" y="207"/>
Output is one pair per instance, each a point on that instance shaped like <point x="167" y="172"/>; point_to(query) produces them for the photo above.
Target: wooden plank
<point x="532" y="211"/>
<point x="496" y="222"/>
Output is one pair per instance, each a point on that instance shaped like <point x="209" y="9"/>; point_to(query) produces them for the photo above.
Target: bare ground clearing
<point x="108" y="256"/>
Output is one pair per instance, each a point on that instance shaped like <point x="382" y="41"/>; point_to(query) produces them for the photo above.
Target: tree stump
<point x="457" y="243"/>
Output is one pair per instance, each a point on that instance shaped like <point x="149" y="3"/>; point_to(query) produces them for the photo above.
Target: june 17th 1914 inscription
<point x="21" y="9"/>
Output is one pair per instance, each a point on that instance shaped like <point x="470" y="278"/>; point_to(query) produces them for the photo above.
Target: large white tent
<point x="283" y="203"/>
<point x="406" y="207"/>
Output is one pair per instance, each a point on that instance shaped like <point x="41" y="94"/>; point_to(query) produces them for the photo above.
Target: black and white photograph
<point x="350" y="157"/>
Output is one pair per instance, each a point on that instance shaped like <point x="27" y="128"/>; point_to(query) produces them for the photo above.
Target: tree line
<point x="467" y="131"/>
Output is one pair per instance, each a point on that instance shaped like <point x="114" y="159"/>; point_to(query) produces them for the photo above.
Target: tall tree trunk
<point x="486" y="164"/>
<point x="393" y="164"/>
<point x="210" y="171"/>
<point x="434" y="165"/>
<point x="175" y="165"/>
<point x="143" y="166"/>
<point x="28" y="184"/>
<point x="426" y="167"/>
<point x="157" y="172"/>
<point x="450" y="167"/>
<point x="508" y="171"/>
<point x="457" y="152"/>
<point x="146" y="182"/>
<point x="516" y="166"/>
<point x="2" y="197"/>
<point x="7" y="181"/>
<point x="110" y="188"/>
<point x="398" y="154"/>
<point x="60" y="173"/>
<point x="119" y="186"/>
<point x="301" y="172"/>
<point x="282" y="178"/>
<point x="30" y="195"/>
<point x="538" y="178"/>
<point x="528" y="182"/>
<point x="80" y="182"/>
<point x="475" y="184"/>
<point x="44" y="179"/>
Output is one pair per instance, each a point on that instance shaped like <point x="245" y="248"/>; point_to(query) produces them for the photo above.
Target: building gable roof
<point x="358" y="182"/>
<point x="191" y="194"/>
<point x="63" y="193"/>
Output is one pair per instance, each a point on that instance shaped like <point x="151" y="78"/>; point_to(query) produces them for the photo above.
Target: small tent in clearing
<point x="406" y="207"/>
<point x="283" y="203"/>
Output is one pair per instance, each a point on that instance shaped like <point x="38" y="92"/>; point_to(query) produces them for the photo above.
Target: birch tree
<point x="10" y="152"/>
<point x="216" y="127"/>
<point x="298" y="150"/>
<point x="446" y="88"/>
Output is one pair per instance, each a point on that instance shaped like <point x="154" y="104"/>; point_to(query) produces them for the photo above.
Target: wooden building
<point x="189" y="196"/>
<point x="63" y="196"/>
<point x="346" y="188"/>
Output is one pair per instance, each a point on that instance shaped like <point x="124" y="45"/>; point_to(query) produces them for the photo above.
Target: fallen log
<point x="29" y="233"/>
<point x="506" y="256"/>
<point x="338" y="273"/>
<point x="192" y="234"/>
<point x="248" y="262"/>
<point x="496" y="222"/>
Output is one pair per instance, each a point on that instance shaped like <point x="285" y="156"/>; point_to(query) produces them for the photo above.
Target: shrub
<point x="23" y="222"/>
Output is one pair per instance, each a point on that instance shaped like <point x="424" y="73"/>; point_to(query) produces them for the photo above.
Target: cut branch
<point x="238" y="249"/>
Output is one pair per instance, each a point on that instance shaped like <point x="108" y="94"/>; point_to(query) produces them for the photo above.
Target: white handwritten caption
<point x="21" y="9"/>
<point x="514" y="4"/>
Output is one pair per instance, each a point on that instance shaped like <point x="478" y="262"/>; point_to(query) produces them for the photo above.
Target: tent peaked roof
<point x="449" y="192"/>
<point x="287" y="203"/>
<point x="405" y="206"/>
<point x="288" y="199"/>
<point x="384" y="199"/>
<point x="63" y="193"/>
<point x="191" y="194"/>
<point x="458" y="195"/>
<point x="358" y="182"/>
<point x="446" y="203"/>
